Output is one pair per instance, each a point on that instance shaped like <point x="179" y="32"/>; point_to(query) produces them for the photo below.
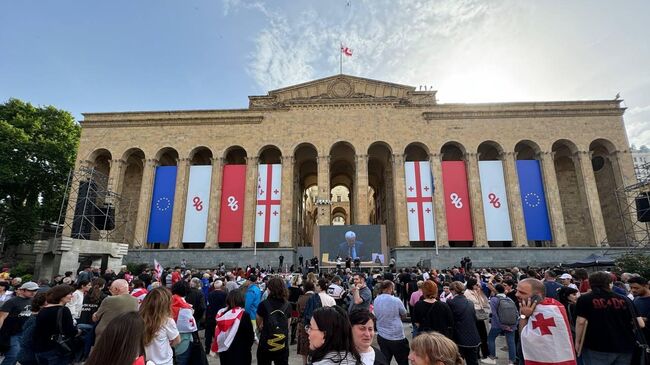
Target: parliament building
<point x="510" y="182"/>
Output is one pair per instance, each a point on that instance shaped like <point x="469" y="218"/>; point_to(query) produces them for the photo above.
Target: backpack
<point x="507" y="312"/>
<point x="275" y="331"/>
<point x="313" y="303"/>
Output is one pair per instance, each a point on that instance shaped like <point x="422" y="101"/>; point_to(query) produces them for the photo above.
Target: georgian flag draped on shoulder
<point x="546" y="338"/>
<point x="267" y="213"/>
<point x="419" y="201"/>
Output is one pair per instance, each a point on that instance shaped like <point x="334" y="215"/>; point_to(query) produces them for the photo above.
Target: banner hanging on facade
<point x="197" y="205"/>
<point x="267" y="213"/>
<point x="162" y="205"/>
<point x="233" y="191"/>
<point x="495" y="201"/>
<point x="459" y="221"/>
<point x="419" y="201"/>
<point x="533" y="200"/>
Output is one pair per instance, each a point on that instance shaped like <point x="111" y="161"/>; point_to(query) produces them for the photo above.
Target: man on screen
<point x="353" y="248"/>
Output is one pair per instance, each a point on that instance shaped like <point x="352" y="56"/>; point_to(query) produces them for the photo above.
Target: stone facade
<point x="355" y="132"/>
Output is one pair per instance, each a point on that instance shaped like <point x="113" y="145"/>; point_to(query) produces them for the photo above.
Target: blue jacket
<point x="253" y="299"/>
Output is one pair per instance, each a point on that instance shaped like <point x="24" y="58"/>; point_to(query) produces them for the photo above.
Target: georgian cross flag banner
<point x="419" y="201"/>
<point x="162" y="205"/>
<point x="533" y="200"/>
<point x="197" y="205"/>
<point x="267" y="212"/>
<point x="546" y="338"/>
<point x="233" y="191"/>
<point x="495" y="201"/>
<point x="454" y="181"/>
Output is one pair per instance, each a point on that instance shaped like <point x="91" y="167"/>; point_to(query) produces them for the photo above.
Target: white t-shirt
<point x="159" y="350"/>
<point x="326" y="300"/>
<point x="368" y="358"/>
<point x="75" y="304"/>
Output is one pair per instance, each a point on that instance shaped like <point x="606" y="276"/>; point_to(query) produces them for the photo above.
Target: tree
<point x="38" y="146"/>
<point x="636" y="262"/>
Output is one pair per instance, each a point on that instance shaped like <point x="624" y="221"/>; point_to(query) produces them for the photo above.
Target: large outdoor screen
<point x="366" y="242"/>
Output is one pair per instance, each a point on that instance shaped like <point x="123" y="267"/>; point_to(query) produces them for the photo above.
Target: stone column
<point x="180" y="200"/>
<point x="116" y="176"/>
<point x="144" y="203"/>
<point x="324" y="211"/>
<point x="476" y="200"/>
<point x="553" y="200"/>
<point x="593" y="200"/>
<point x="442" y="238"/>
<point x="286" y="208"/>
<point x="73" y="195"/>
<point x="361" y="215"/>
<point x="250" y="201"/>
<point x="514" y="199"/>
<point x="215" y="203"/>
<point x="399" y="192"/>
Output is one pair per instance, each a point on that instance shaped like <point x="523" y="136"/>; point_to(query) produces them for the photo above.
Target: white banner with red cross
<point x="267" y="212"/>
<point x="419" y="201"/>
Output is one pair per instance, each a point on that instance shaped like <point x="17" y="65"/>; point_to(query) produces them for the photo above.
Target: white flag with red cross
<point x="267" y="212"/>
<point x="419" y="201"/>
<point x="546" y="338"/>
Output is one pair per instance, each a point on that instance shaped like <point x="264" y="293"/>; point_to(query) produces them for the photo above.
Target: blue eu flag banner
<point x="162" y="205"/>
<point x="533" y="200"/>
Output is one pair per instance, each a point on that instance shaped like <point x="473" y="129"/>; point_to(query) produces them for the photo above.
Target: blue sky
<point x="92" y="56"/>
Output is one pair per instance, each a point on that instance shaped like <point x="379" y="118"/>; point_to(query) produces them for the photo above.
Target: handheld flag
<point x="548" y="329"/>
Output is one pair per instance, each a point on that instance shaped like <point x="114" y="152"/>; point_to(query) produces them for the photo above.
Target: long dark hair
<point x="334" y="323"/>
<point x="95" y="292"/>
<point x="235" y="299"/>
<point x="121" y="343"/>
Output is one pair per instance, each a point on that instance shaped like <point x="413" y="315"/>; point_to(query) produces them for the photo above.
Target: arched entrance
<point x="380" y="188"/>
<point x="601" y="150"/>
<point x="456" y="195"/>
<point x="342" y="173"/>
<point x="305" y="178"/>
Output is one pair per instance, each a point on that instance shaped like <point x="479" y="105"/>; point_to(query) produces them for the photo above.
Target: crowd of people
<point x="334" y="317"/>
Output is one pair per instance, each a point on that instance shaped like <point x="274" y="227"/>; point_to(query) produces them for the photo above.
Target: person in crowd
<point x="361" y="294"/>
<point x="253" y="296"/>
<point x="604" y="333"/>
<point x="180" y="289"/>
<point x="160" y="331"/>
<point x="231" y="283"/>
<point x="294" y="294"/>
<point x="568" y="297"/>
<point x="551" y="285"/>
<point x="330" y="338"/>
<point x="431" y="314"/>
<point x="466" y="334"/>
<point x="321" y="289"/>
<point x="303" y="339"/>
<point x="639" y="288"/>
<point x="446" y="293"/>
<point x="13" y="315"/>
<point x="47" y="326"/>
<point x="85" y="275"/>
<point x="5" y="293"/>
<point x="119" y="302"/>
<point x="196" y="298"/>
<point x="415" y="297"/>
<point x="77" y="301"/>
<point x="498" y="328"/>
<point x="363" y="331"/>
<point x="434" y="349"/>
<point x="122" y="342"/>
<point x="216" y="301"/>
<point x="475" y="295"/>
<point x="567" y="280"/>
<point x="234" y="334"/>
<point x="390" y="311"/>
<point x="336" y="291"/>
<point x="273" y="317"/>
<point x="92" y="300"/>
<point x="139" y="290"/>
<point x="26" y="355"/>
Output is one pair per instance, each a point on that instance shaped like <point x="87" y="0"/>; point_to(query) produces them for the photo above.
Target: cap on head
<point x="30" y="285"/>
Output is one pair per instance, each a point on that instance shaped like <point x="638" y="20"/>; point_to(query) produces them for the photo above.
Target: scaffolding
<point x="634" y="210"/>
<point x="97" y="213"/>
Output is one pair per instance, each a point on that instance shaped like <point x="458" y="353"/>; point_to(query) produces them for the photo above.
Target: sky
<point x="136" y="55"/>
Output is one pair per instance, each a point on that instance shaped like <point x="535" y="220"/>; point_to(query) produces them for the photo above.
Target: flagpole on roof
<point x="341" y="59"/>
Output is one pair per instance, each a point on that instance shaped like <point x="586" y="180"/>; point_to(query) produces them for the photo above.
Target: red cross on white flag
<point x="419" y="201"/>
<point x="346" y="51"/>
<point x="267" y="213"/>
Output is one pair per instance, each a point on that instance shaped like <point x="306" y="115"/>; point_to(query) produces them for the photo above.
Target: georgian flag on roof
<point x="346" y="51"/>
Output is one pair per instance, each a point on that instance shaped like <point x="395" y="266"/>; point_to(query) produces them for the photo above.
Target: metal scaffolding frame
<point x="628" y="199"/>
<point x="99" y="214"/>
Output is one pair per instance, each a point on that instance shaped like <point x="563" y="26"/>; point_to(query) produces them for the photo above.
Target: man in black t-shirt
<point x="604" y="327"/>
<point x="13" y="314"/>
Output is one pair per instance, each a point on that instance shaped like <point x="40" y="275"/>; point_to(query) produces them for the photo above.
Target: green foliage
<point x="23" y="268"/>
<point x="38" y="146"/>
<point x="635" y="263"/>
<point x="136" y="268"/>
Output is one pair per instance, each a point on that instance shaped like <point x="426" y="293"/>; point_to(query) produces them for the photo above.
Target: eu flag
<point x="533" y="200"/>
<point x="162" y="205"/>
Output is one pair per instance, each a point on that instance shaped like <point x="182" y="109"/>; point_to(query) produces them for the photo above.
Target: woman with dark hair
<point x="474" y="294"/>
<point x="303" y="339"/>
<point x="431" y="314"/>
<point x="569" y="297"/>
<point x="92" y="300"/>
<point x="48" y="327"/>
<point x="466" y="334"/>
<point x="26" y="355"/>
<point x="330" y="338"/>
<point x="273" y="317"/>
<point x="234" y="335"/>
<point x="121" y="343"/>
<point x="363" y="332"/>
<point x="75" y="305"/>
<point x="160" y="332"/>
